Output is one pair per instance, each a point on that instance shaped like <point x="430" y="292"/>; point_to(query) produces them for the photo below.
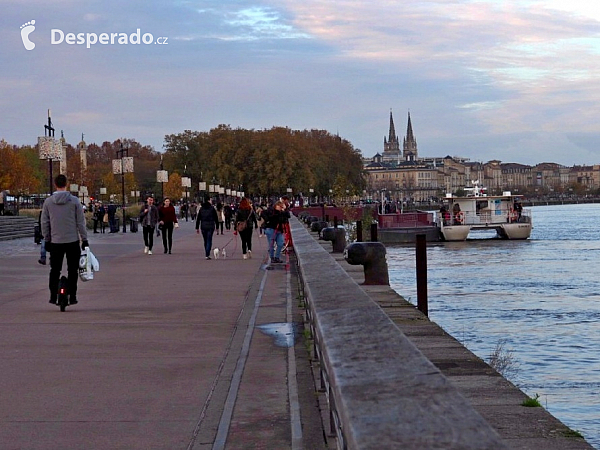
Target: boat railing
<point x="484" y="218"/>
<point x="406" y="220"/>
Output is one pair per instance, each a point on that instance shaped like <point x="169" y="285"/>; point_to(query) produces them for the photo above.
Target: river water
<point x="541" y="297"/>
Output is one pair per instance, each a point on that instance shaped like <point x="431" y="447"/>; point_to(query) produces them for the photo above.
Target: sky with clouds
<point x="484" y="79"/>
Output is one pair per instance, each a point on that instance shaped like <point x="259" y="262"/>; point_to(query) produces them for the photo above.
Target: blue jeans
<point x="43" y="250"/>
<point x="274" y="237"/>
<point x="207" y="235"/>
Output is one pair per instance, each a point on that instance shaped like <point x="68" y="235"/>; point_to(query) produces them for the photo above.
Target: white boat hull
<point x="517" y="230"/>
<point x="513" y="231"/>
<point x="455" y="232"/>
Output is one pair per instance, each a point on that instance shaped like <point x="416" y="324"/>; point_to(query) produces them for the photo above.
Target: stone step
<point x="16" y="227"/>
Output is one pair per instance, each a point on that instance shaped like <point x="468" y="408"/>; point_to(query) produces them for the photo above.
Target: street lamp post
<point x="186" y="182"/>
<point x="120" y="153"/>
<point x="162" y="177"/>
<point x="49" y="149"/>
<point x="50" y="129"/>
<point x="123" y="163"/>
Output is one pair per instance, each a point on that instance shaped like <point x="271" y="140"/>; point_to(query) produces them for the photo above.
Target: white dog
<point x="223" y="253"/>
<point x="216" y="253"/>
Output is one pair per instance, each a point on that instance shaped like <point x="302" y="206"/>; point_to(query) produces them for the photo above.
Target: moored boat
<point x="403" y="227"/>
<point x="478" y="211"/>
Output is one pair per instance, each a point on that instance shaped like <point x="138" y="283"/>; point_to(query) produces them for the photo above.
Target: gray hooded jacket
<point x="63" y="220"/>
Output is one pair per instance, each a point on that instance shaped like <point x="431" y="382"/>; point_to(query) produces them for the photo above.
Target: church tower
<point x="391" y="144"/>
<point x="63" y="161"/>
<point x="82" y="149"/>
<point x="410" y="152"/>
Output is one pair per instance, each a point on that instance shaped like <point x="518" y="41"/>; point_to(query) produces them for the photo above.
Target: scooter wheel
<point x="63" y="301"/>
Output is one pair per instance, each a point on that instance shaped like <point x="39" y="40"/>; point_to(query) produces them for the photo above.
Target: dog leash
<point x="227" y="243"/>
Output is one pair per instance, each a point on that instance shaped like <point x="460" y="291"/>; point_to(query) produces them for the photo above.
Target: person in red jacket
<point x="167" y="221"/>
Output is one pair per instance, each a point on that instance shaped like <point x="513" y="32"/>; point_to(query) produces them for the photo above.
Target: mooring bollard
<point x="337" y="236"/>
<point x="318" y="226"/>
<point x="374" y="232"/>
<point x="372" y="257"/>
<point x="421" y="256"/>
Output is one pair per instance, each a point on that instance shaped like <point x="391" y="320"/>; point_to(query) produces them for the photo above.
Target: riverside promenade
<point x="177" y="352"/>
<point x="162" y="351"/>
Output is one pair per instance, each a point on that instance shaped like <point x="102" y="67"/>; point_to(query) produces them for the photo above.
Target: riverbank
<point x="496" y="399"/>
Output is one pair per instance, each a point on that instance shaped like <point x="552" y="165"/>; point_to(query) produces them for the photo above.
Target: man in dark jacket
<point x="207" y="222"/>
<point x="112" y="219"/>
<point x="63" y="225"/>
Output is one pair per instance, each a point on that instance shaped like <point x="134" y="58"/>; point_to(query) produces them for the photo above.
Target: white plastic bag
<point x="88" y="264"/>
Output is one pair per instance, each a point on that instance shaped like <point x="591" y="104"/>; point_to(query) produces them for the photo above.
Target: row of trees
<point x="263" y="162"/>
<point x="23" y="173"/>
<point x="258" y="162"/>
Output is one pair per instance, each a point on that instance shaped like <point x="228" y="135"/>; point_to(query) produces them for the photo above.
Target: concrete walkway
<point x="162" y="351"/>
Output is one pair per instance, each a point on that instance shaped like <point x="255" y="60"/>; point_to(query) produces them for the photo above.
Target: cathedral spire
<point x="392" y="136"/>
<point x="391" y="144"/>
<point x="409" y="131"/>
<point x="410" y="143"/>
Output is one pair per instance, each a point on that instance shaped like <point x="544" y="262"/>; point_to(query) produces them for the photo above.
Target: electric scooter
<point x="63" y="297"/>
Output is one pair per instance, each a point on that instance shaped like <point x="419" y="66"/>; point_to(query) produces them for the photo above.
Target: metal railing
<point x="405" y="220"/>
<point x="484" y="218"/>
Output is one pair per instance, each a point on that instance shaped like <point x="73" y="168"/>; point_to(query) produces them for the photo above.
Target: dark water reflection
<point x="541" y="295"/>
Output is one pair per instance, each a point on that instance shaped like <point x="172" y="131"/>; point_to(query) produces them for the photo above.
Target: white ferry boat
<point x="478" y="211"/>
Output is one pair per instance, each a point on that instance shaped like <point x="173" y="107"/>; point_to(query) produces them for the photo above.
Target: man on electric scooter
<point x="63" y="225"/>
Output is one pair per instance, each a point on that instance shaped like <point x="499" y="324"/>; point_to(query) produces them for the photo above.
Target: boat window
<point x="481" y="204"/>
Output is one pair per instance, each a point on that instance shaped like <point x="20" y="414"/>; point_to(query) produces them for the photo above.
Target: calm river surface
<point x="541" y="296"/>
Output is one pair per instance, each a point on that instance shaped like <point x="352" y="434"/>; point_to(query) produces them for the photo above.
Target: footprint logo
<point x="26" y="30"/>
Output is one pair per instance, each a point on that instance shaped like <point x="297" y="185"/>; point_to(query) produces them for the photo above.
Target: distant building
<point x="406" y="177"/>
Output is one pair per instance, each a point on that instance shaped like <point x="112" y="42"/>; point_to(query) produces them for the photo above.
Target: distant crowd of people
<point x="63" y="232"/>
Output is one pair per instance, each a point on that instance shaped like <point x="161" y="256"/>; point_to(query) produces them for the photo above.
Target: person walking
<point x="96" y="216"/>
<point x="63" y="226"/>
<point x="227" y="213"/>
<point x="42" y="259"/>
<point x="245" y="222"/>
<point x="207" y="222"/>
<point x="103" y="215"/>
<point x="261" y="221"/>
<point x="112" y="218"/>
<point x="275" y="220"/>
<point x="167" y="221"/>
<point x="220" y="217"/>
<point x="149" y="220"/>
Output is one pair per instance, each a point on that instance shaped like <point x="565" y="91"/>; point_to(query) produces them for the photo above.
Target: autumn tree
<point x="20" y="170"/>
<point x="173" y="188"/>
<point x="266" y="162"/>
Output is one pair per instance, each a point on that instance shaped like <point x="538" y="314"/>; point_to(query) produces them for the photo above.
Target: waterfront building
<point x="401" y="175"/>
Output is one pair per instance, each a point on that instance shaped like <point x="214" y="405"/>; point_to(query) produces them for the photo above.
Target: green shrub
<point x="532" y="402"/>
